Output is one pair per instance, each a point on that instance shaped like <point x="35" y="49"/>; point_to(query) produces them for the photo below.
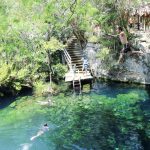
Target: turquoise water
<point x="77" y="122"/>
<point x="20" y="121"/>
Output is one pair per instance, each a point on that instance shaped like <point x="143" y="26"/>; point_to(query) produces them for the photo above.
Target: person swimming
<point x="44" y="129"/>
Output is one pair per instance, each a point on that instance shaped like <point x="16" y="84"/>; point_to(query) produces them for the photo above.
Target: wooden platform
<point x="70" y="76"/>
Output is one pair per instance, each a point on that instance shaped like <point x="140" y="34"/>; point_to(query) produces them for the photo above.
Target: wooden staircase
<point x="73" y="55"/>
<point x="76" y="53"/>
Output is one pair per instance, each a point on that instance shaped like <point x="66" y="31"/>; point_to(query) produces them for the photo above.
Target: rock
<point x="135" y="68"/>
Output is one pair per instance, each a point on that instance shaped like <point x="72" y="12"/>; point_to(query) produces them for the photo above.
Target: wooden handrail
<point x="67" y="58"/>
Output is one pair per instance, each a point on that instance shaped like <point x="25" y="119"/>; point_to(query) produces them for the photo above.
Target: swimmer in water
<point x="44" y="129"/>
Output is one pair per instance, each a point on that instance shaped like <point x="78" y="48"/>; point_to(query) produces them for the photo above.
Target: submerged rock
<point x="43" y="103"/>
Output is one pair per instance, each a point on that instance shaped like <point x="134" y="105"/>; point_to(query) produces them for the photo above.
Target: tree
<point x="51" y="47"/>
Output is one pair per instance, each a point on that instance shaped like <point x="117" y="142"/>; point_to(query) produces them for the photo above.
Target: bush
<point x="59" y="71"/>
<point x="103" y="54"/>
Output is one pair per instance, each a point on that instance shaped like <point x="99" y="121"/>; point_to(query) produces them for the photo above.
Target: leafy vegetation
<point x="33" y="35"/>
<point x="34" y="32"/>
<point x="100" y="122"/>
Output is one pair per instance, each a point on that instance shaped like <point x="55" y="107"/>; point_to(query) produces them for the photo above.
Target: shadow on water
<point x="7" y="100"/>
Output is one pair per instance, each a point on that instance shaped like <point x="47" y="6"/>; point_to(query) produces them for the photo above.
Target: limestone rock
<point x="136" y="67"/>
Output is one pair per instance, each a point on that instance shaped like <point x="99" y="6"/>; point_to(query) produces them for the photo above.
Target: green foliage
<point x="13" y="79"/>
<point x="23" y="42"/>
<point x="93" y="39"/>
<point x="22" y="73"/>
<point x="33" y="30"/>
<point x="62" y="87"/>
<point x="53" y="45"/>
<point x="59" y="70"/>
<point x="40" y="88"/>
<point x="4" y="72"/>
<point x="96" y="117"/>
<point x="103" y="53"/>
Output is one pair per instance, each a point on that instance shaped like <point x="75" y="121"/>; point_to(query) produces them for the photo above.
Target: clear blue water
<point x="19" y="121"/>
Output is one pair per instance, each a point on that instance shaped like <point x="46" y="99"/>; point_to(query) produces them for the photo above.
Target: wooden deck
<point x="70" y="76"/>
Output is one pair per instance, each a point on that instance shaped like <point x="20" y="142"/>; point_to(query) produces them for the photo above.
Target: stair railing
<point x="68" y="59"/>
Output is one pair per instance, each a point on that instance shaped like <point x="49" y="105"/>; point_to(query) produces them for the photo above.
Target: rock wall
<point x="135" y="68"/>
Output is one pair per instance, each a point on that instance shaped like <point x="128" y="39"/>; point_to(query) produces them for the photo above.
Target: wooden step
<point x="79" y="56"/>
<point x="75" y="53"/>
<point x="79" y="67"/>
<point x="79" y="70"/>
<point x="72" y="49"/>
<point x="74" y="61"/>
<point x="77" y="63"/>
<point x="72" y="42"/>
<point x="74" y="45"/>
<point x="78" y="47"/>
<point x="71" y="46"/>
<point x="76" y="56"/>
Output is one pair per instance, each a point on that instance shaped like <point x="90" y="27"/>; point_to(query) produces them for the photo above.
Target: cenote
<point x="112" y="116"/>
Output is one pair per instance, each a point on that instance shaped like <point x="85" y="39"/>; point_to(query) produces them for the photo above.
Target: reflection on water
<point x="111" y="116"/>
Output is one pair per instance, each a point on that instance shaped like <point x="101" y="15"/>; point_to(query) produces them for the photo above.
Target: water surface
<point x="110" y="116"/>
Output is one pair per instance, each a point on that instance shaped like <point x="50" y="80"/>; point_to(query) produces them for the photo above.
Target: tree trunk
<point x="50" y="70"/>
